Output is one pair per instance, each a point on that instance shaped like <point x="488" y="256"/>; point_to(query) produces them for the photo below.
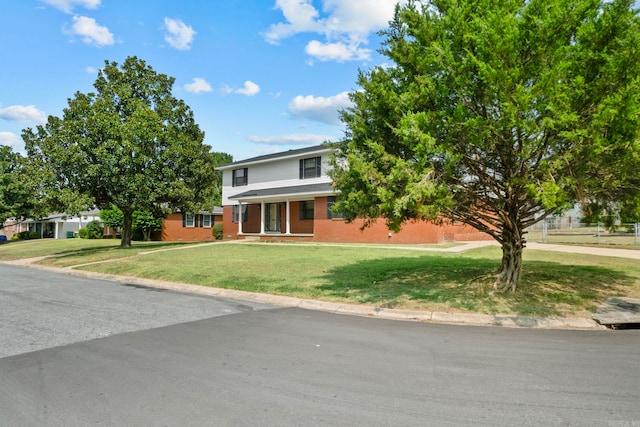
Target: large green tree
<point x="219" y="159"/>
<point x="15" y="197"/>
<point x="495" y="114"/>
<point x="130" y="144"/>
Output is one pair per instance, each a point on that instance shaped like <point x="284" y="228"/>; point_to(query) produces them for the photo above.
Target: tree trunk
<point x="127" y="228"/>
<point x="511" y="267"/>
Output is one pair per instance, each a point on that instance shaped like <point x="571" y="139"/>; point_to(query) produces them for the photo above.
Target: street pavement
<point x="79" y="351"/>
<point x="135" y="356"/>
<point x="42" y="309"/>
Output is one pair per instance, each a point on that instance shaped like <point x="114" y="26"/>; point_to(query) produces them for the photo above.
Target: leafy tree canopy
<point x="495" y="114"/>
<point x="130" y="144"/>
<point x="15" y="200"/>
<point x="145" y="222"/>
<point x="219" y="159"/>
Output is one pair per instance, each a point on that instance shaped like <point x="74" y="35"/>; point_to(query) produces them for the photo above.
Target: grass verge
<point x="77" y="249"/>
<point x="552" y="285"/>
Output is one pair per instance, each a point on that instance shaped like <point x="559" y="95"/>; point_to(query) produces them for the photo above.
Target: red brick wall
<point x="336" y="230"/>
<point x="172" y="230"/>
<point x="229" y="228"/>
<point x="412" y="232"/>
<point x="301" y="226"/>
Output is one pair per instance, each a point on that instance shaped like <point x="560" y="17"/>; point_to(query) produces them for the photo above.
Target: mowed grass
<point x="552" y="285"/>
<point x="79" y="249"/>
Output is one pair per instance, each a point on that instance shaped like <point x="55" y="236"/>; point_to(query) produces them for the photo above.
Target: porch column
<point x="288" y="217"/>
<point x="240" y="217"/>
<point x="262" y="215"/>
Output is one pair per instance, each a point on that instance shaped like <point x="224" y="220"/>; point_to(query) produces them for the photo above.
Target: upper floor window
<point x="240" y="177"/>
<point x="310" y="168"/>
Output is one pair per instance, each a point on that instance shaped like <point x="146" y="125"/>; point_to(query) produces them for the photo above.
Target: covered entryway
<point x="286" y="211"/>
<point x="272" y="220"/>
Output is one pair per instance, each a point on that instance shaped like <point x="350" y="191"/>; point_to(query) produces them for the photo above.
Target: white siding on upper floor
<point x="276" y="173"/>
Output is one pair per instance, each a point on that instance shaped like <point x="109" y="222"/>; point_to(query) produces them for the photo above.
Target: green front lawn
<point x="553" y="284"/>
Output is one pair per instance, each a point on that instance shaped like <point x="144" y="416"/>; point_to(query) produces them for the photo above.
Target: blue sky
<point x="260" y="76"/>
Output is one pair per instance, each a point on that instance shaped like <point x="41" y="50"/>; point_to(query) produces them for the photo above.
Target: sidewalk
<point x="586" y="250"/>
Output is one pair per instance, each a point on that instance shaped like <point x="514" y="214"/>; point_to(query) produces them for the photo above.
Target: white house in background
<point x="289" y="195"/>
<point x="56" y="226"/>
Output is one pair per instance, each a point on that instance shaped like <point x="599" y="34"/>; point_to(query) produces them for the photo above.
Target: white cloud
<point x="249" y="89"/>
<point x="91" y="70"/>
<point x="67" y="5"/>
<point x="23" y="114"/>
<point x="180" y="35"/>
<point x="358" y="16"/>
<point x="337" y="51"/>
<point x="199" y="85"/>
<point x="10" y="139"/>
<point x="319" y="108"/>
<point x="301" y="17"/>
<point x="346" y="25"/>
<point x="293" y="139"/>
<point x="90" y="31"/>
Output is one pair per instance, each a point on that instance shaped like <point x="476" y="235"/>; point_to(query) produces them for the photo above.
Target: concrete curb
<point x="470" y="319"/>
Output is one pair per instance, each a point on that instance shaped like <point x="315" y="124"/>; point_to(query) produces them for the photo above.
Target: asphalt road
<point x="223" y="363"/>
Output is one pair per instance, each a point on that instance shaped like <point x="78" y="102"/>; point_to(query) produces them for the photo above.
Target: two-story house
<point x="289" y="195"/>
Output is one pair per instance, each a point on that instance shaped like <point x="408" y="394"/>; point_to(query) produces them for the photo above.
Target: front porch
<point x="276" y="214"/>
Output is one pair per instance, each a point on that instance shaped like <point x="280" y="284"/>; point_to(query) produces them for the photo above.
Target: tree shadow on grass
<point x="461" y="283"/>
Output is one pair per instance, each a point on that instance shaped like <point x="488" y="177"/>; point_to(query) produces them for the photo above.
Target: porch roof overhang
<point x="298" y="192"/>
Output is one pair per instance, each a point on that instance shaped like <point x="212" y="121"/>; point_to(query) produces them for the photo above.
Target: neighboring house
<point x="55" y="226"/>
<point x="175" y="227"/>
<point x="289" y="195"/>
<point x="189" y="227"/>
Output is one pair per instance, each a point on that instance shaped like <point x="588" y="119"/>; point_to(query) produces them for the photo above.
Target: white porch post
<point x="240" y="217"/>
<point x="262" y="215"/>
<point x="288" y="216"/>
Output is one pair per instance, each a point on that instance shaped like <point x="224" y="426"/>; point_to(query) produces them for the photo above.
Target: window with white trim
<point x="240" y="177"/>
<point x="189" y="220"/>
<point x="310" y="168"/>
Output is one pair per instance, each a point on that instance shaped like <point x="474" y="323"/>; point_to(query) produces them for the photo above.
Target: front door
<point x="273" y="217"/>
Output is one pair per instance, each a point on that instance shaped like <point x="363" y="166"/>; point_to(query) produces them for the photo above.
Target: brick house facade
<point x="287" y="196"/>
<point x="187" y="227"/>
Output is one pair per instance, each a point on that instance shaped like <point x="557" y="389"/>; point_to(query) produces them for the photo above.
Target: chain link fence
<point x="569" y="230"/>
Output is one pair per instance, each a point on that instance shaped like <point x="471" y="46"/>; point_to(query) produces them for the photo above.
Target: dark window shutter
<point x="301" y="168"/>
<point x="318" y="170"/>
<point x="184" y="220"/>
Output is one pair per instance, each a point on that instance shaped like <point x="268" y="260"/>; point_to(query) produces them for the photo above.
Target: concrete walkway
<point x="586" y="250"/>
<point x="369" y="311"/>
